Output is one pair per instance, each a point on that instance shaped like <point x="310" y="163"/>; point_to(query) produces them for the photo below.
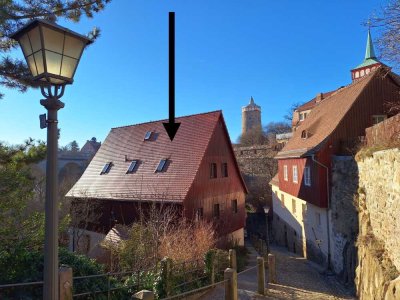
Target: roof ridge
<point x="156" y="121"/>
<point x="342" y="88"/>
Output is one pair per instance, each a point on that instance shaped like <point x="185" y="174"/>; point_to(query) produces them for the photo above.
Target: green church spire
<point x="370" y="57"/>
<point x="369" y="51"/>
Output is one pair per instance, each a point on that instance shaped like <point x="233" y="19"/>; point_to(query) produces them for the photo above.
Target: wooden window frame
<point x="224" y="170"/>
<point x="199" y="214"/>
<point x="285" y="173"/>
<point x="295" y="178"/>
<point x="213" y="170"/>
<point x="216" y="211"/>
<point x="307" y="176"/>
<point x="234" y="204"/>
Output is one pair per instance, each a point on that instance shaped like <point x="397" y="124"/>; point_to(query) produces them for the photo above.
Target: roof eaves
<point x="295" y="153"/>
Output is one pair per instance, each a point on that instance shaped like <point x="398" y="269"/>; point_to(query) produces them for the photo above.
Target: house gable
<point x="206" y="191"/>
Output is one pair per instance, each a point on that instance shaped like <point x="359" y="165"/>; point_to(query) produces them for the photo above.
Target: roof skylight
<point x="162" y="165"/>
<point x="106" y="168"/>
<point x="132" y="167"/>
<point x="147" y="136"/>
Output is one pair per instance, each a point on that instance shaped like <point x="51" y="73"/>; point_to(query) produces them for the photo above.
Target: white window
<point x="307" y="176"/>
<point x="318" y="219"/>
<point x="378" y="118"/>
<point x="285" y="173"/>
<point x="295" y="180"/>
<point x="293" y="206"/>
<point x="357" y="74"/>
<point x="362" y="73"/>
<point x="301" y="116"/>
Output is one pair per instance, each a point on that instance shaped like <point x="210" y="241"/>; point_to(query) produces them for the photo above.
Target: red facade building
<point x="333" y="126"/>
<point x="196" y="172"/>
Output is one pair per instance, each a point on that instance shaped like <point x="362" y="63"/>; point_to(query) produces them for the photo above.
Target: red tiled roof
<point x="313" y="102"/>
<point x="184" y="153"/>
<point x="324" y="118"/>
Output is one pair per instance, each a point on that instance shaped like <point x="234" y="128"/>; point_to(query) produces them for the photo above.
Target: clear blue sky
<point x="279" y="52"/>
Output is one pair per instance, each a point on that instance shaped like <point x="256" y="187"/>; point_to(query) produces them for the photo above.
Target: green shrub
<point x="27" y="266"/>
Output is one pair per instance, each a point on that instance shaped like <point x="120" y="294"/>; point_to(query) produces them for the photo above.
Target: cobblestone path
<point x="297" y="279"/>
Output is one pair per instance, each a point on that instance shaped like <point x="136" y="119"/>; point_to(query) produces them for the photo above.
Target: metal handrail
<point x="20" y="284"/>
<point x="196" y="290"/>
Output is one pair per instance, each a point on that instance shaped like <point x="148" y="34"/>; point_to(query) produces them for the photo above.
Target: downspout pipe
<point x="328" y="207"/>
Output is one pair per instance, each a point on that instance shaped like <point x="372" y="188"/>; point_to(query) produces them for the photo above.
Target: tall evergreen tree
<point x="14" y="73"/>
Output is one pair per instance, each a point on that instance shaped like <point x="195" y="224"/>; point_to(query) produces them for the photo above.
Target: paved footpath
<point x="297" y="279"/>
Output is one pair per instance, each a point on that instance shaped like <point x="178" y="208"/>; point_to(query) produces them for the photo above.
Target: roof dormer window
<point x="148" y="135"/>
<point x="106" y="169"/>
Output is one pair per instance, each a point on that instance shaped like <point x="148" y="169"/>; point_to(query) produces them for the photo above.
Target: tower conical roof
<point x="369" y="51"/>
<point x="251" y="105"/>
<point x="370" y="57"/>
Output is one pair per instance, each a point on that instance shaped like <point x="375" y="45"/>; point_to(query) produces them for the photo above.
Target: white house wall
<point x="306" y="222"/>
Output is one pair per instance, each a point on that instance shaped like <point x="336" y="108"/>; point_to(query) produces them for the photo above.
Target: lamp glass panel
<point x="53" y="62"/>
<point x="53" y="40"/>
<point x="73" y="46"/>
<point x="56" y="81"/>
<point x="25" y="45"/>
<point x="68" y="67"/>
<point x="39" y="61"/>
<point x="34" y="36"/>
<point x="32" y="65"/>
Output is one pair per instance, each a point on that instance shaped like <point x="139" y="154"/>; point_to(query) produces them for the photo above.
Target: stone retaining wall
<point x="377" y="274"/>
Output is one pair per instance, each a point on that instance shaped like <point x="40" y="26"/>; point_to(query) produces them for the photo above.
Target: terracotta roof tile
<point x="184" y="153"/>
<point x="324" y="118"/>
<point x="313" y="102"/>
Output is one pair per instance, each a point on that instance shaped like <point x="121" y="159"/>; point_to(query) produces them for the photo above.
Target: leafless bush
<point x="187" y="241"/>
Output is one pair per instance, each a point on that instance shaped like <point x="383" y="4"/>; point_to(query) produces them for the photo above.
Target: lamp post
<point x="52" y="53"/>
<point x="266" y="211"/>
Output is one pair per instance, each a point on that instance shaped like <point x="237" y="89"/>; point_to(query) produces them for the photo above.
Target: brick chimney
<point x="319" y="97"/>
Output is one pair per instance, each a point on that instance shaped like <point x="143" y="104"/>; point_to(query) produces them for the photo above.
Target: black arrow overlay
<point x="171" y="127"/>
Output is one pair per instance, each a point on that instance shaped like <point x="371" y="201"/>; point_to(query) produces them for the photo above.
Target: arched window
<point x="367" y="71"/>
<point x="357" y="74"/>
<point x="304" y="134"/>
<point x="362" y="73"/>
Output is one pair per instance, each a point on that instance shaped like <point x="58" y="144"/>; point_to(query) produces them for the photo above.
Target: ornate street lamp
<point x="52" y="53"/>
<point x="266" y="211"/>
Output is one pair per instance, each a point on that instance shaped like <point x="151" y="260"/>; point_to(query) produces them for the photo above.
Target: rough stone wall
<point x="256" y="160"/>
<point x="258" y="166"/>
<point x="377" y="274"/>
<point x="344" y="217"/>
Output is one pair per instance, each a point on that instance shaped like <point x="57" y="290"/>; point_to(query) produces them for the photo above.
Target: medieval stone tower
<point x="251" y="116"/>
